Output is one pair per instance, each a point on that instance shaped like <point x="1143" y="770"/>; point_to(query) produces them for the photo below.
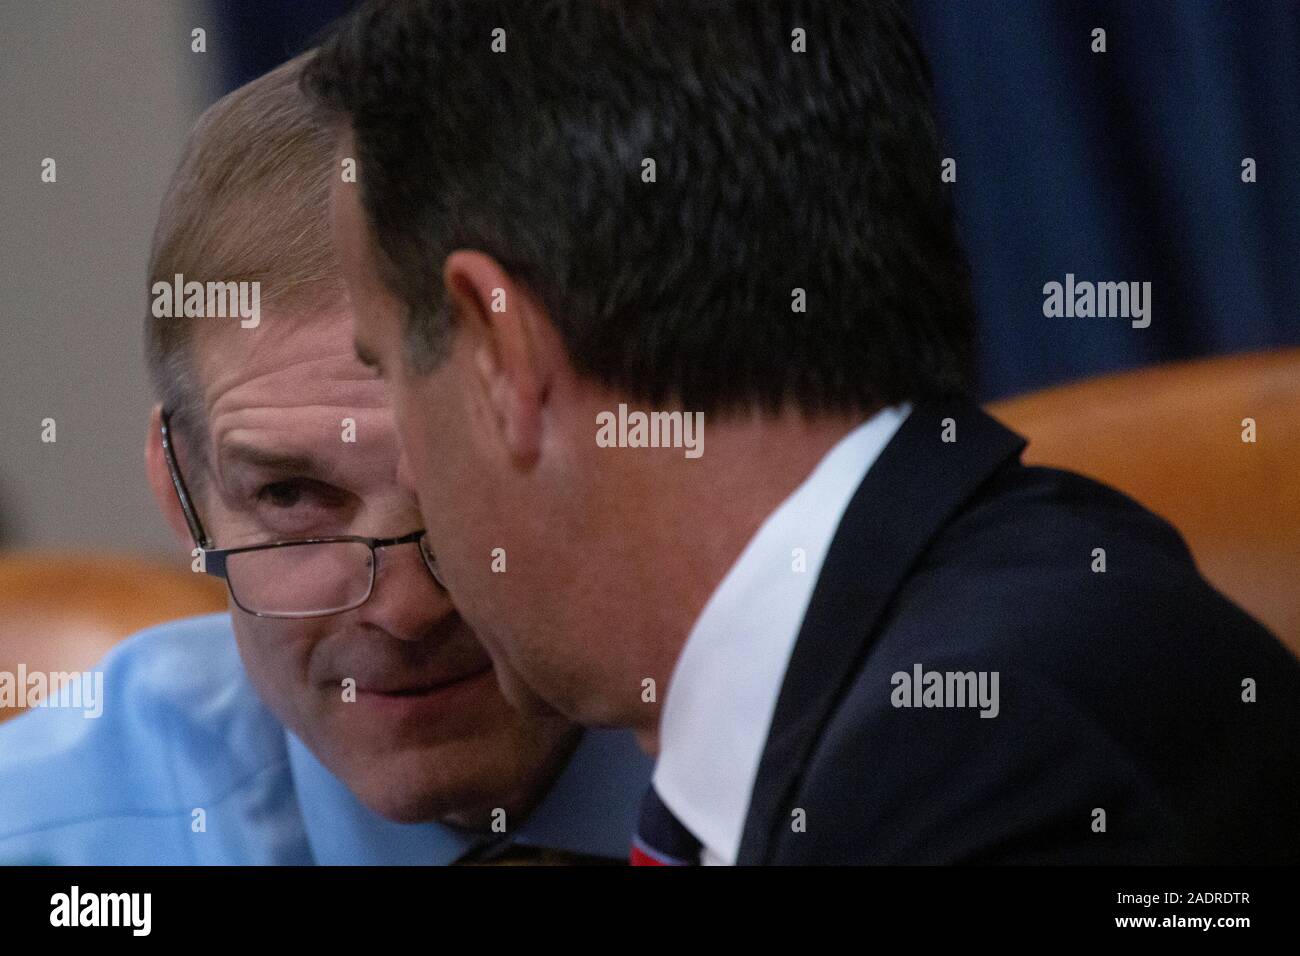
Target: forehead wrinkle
<point x="309" y="427"/>
<point x="235" y="452"/>
<point x="316" y="373"/>
<point x="228" y="359"/>
<point x="310" y="433"/>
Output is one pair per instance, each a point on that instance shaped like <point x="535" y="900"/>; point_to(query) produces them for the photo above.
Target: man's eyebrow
<point x="237" y="453"/>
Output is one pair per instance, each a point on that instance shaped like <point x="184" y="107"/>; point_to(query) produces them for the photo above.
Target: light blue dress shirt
<point x="183" y="731"/>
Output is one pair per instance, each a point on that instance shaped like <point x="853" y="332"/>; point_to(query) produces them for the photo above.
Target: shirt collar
<point x="591" y="808"/>
<point x="710" y="742"/>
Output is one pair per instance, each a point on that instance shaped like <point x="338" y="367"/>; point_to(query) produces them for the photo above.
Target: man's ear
<point x="503" y="331"/>
<point x="160" y="481"/>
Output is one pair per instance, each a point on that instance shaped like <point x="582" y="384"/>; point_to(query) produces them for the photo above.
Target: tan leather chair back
<point x="63" y="612"/>
<point x="1172" y="437"/>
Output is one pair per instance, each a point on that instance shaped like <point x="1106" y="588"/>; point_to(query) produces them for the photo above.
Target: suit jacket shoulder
<point x="1005" y="699"/>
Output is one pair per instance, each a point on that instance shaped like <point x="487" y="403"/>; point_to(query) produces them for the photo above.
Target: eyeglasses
<point x="310" y="577"/>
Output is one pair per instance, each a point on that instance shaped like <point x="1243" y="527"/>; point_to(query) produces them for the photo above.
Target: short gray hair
<point x="249" y="201"/>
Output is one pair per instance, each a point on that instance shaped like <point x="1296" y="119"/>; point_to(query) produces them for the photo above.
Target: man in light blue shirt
<point x="186" y="766"/>
<point x="342" y="712"/>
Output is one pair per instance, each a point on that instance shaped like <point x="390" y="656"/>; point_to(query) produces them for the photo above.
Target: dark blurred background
<point x="1116" y="166"/>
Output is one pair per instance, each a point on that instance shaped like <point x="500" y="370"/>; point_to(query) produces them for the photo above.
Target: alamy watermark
<point x="637" y="429"/>
<point x="922" y="688"/>
<point x="62" y="690"/>
<point x="208" y="300"/>
<point x="75" y="908"/>
<point x="1103" y="300"/>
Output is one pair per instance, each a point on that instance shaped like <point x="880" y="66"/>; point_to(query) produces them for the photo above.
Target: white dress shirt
<point x="724" y="688"/>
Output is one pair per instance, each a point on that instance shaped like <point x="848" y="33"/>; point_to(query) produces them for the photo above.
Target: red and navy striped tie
<point x="660" y="839"/>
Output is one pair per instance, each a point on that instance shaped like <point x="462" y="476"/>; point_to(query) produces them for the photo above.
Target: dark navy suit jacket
<point x="1121" y="735"/>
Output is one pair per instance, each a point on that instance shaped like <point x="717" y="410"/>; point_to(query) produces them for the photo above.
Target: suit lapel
<point x="915" y="487"/>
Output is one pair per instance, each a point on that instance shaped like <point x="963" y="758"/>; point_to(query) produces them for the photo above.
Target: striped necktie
<point x="660" y="839"/>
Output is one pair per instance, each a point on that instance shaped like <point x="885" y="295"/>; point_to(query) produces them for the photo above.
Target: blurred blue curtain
<point x="1122" y="166"/>
<point x="262" y="34"/>
<point x="1115" y="166"/>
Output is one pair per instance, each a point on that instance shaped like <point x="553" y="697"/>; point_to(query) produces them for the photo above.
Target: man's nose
<point x="406" y="602"/>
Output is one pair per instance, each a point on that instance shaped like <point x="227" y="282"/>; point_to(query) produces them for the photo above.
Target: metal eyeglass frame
<point x="214" y="559"/>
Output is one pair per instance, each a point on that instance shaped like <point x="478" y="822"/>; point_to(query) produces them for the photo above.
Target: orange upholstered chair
<point x="64" y="612"/>
<point x="1171" y="437"/>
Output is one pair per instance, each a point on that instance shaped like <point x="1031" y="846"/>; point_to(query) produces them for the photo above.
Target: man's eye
<point x="298" y="507"/>
<point x="282" y="494"/>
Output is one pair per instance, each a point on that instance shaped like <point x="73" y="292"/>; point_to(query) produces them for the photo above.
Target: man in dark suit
<point x="1142" y="717"/>
<point x="584" y="236"/>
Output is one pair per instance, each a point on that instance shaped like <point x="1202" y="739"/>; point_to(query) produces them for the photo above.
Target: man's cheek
<point x="277" y="655"/>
